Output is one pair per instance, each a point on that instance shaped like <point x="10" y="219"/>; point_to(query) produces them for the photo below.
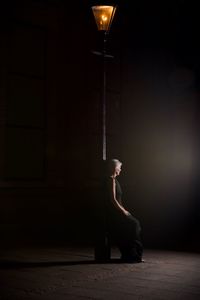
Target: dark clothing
<point x="124" y="230"/>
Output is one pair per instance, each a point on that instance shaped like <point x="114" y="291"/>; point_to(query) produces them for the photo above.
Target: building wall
<point x="43" y="117"/>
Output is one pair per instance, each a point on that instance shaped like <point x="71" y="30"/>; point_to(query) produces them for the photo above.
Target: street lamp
<point x="104" y="15"/>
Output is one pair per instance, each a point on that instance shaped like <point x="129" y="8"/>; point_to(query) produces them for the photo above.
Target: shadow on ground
<point x="13" y="264"/>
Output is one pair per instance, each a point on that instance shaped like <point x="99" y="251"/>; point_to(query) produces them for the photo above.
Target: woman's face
<point x="118" y="169"/>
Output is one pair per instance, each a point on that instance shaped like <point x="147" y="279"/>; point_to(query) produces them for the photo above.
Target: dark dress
<point x="124" y="230"/>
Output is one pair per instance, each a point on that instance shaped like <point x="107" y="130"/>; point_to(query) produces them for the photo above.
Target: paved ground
<point x="60" y="273"/>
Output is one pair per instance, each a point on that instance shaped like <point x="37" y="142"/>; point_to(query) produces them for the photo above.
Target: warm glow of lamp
<point x="103" y="15"/>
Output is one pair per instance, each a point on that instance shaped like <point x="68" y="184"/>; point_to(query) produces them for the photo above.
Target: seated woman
<point x="123" y="228"/>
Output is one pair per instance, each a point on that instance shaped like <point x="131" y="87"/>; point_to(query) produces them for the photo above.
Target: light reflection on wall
<point x="161" y="151"/>
<point x="164" y="181"/>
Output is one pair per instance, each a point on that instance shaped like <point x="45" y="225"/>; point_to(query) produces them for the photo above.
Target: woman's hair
<point x="112" y="163"/>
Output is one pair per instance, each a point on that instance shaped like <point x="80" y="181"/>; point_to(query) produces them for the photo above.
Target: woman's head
<point x="114" y="166"/>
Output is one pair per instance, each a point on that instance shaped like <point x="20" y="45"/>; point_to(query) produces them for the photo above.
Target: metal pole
<point x="104" y="145"/>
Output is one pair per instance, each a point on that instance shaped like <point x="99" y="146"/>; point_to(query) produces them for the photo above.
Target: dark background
<point x="50" y="133"/>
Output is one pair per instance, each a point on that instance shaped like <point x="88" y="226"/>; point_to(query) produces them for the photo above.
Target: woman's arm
<point x="115" y="201"/>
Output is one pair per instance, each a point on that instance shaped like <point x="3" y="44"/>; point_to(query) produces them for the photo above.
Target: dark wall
<point x="44" y="136"/>
<point x="51" y="154"/>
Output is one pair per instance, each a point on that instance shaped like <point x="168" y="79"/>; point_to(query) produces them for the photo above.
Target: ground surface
<point x="58" y="273"/>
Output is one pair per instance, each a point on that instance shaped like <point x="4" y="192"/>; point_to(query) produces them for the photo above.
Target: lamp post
<point x="104" y="15"/>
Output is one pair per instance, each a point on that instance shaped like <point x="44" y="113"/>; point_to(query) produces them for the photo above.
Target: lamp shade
<point x="103" y="15"/>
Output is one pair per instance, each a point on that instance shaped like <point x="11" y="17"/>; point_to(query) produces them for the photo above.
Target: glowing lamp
<point x="103" y="15"/>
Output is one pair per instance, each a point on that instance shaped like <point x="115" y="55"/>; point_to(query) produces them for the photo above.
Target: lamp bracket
<point x="102" y="54"/>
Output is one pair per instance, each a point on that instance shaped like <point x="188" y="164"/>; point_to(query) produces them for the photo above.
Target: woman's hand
<point x="127" y="213"/>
